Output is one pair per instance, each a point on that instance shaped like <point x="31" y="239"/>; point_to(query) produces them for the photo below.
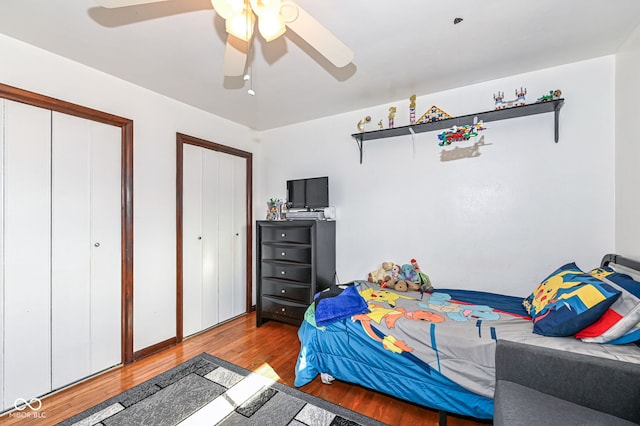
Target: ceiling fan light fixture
<point x="261" y="7"/>
<point x="227" y="8"/>
<point x="271" y="26"/>
<point x="241" y="25"/>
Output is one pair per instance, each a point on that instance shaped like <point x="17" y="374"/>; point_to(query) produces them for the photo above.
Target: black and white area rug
<point x="209" y="391"/>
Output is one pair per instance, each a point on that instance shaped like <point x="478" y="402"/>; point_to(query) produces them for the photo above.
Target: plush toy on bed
<point x="382" y="274"/>
<point x="407" y="273"/>
<point x="401" y="285"/>
<point x="423" y="279"/>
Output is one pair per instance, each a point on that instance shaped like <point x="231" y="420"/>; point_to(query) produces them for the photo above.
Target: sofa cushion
<point x="606" y="385"/>
<point x="568" y="301"/>
<point x="516" y="405"/>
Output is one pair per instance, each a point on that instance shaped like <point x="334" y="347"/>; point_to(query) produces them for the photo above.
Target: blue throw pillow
<point x="567" y="301"/>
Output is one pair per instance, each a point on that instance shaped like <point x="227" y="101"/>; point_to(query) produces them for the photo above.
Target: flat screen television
<point x="310" y="193"/>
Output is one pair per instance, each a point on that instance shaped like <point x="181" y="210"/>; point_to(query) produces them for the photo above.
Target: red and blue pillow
<point x="568" y="301"/>
<point x="620" y="323"/>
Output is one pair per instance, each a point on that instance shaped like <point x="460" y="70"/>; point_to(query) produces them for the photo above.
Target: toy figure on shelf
<point x="380" y="126"/>
<point x="412" y="109"/>
<point x="392" y="116"/>
<point x="362" y="122"/>
<point x="518" y="101"/>
<point x="553" y="94"/>
<point x="433" y="114"/>
<point x="276" y="209"/>
<point x="459" y="133"/>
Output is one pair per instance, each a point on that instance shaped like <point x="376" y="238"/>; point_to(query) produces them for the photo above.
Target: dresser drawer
<point x="286" y="253"/>
<point x="297" y="292"/>
<point x="286" y="271"/>
<point x="275" y="307"/>
<point x="290" y="234"/>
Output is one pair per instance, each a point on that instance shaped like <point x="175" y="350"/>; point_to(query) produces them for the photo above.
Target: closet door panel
<point x="86" y="247"/>
<point x="226" y="236"/>
<point x="27" y="298"/>
<point x="2" y="170"/>
<point x="106" y="247"/>
<point x="239" y="202"/>
<point x="211" y="266"/>
<point x="70" y="256"/>
<point x="192" y="239"/>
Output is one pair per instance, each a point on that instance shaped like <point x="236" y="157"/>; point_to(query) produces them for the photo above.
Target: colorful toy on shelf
<point x="518" y="101"/>
<point x="553" y="94"/>
<point x="276" y="209"/>
<point x="433" y="114"/>
<point x="459" y="133"/>
<point x="412" y="109"/>
<point x="392" y="116"/>
<point x="362" y="122"/>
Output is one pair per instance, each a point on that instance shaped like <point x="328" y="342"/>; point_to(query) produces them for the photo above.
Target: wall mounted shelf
<point x="494" y="115"/>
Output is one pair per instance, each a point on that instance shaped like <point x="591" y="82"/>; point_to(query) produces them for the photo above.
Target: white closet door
<point x="27" y="208"/>
<point x="239" y="236"/>
<point x="214" y="197"/>
<point x="231" y="220"/>
<point x="106" y="246"/>
<point x="70" y="254"/>
<point x="85" y="270"/>
<point x="211" y="265"/>
<point x="192" y="239"/>
<point x="2" y="169"/>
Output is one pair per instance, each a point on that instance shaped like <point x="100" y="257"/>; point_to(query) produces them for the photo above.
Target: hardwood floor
<point x="274" y="346"/>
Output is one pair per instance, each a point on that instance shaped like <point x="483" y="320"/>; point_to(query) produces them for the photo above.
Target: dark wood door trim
<point x="181" y="140"/>
<point x="46" y="102"/>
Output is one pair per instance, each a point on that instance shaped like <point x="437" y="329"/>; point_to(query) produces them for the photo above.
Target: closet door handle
<point x="97" y="244"/>
<point x="199" y="237"/>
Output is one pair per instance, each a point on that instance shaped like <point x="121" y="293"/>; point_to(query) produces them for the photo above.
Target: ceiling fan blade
<point x="235" y="57"/>
<point x="110" y="4"/>
<point x="314" y="33"/>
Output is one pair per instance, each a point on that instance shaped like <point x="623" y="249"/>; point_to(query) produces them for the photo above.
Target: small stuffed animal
<point x="408" y="273"/>
<point x="401" y="285"/>
<point x="381" y="274"/>
<point x="395" y="271"/>
<point x="423" y="279"/>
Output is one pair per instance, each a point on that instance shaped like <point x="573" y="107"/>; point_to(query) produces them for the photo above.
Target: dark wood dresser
<point x="295" y="259"/>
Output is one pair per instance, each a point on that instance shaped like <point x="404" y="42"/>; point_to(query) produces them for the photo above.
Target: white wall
<point x="628" y="147"/>
<point x="499" y="222"/>
<point x="156" y="121"/>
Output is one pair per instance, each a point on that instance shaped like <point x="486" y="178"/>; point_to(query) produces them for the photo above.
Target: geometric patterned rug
<point x="209" y="391"/>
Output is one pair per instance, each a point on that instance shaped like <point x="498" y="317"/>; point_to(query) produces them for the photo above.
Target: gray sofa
<point x="537" y="385"/>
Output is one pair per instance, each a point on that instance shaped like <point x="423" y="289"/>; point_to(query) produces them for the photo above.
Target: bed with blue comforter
<point x="435" y="349"/>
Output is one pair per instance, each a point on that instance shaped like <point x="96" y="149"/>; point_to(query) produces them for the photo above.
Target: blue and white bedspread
<point x="434" y="349"/>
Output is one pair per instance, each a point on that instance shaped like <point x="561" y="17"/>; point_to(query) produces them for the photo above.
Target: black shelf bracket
<point x="487" y="116"/>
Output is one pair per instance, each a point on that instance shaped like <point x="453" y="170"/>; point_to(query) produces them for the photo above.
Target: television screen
<point x="311" y="193"/>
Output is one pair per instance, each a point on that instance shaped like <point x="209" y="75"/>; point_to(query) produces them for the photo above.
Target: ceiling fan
<point x="274" y="17"/>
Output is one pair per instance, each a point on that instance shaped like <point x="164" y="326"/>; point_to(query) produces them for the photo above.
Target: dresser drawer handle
<point x="284" y="291"/>
<point x="283" y="272"/>
<point x="283" y="235"/>
<point x="282" y="309"/>
<point x="284" y="253"/>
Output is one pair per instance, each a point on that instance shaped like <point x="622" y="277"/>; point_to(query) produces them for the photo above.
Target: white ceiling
<point x="401" y="47"/>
